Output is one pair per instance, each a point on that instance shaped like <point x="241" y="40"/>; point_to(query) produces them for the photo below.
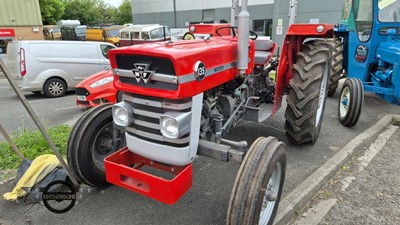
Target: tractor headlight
<point x="175" y="124"/>
<point x="122" y="114"/>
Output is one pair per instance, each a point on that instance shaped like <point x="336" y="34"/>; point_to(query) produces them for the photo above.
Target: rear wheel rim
<point x="321" y="98"/>
<point x="344" y="102"/>
<point x="271" y="194"/>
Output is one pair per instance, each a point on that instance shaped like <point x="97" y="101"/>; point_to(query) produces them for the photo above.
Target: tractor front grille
<point x="161" y="66"/>
<point x="147" y="111"/>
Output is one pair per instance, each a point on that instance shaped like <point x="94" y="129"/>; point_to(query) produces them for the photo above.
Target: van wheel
<point x="55" y="87"/>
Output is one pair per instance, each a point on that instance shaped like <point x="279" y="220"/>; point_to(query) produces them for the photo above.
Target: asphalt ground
<point x="207" y="201"/>
<point x="364" y="190"/>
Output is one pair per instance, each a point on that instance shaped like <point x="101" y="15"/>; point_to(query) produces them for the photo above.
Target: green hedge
<point x="32" y="144"/>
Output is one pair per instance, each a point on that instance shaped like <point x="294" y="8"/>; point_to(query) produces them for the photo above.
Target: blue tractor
<point x="367" y="48"/>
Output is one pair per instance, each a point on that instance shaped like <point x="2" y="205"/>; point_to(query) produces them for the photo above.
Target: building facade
<point x="20" y="20"/>
<point x="180" y="13"/>
<point x="267" y="17"/>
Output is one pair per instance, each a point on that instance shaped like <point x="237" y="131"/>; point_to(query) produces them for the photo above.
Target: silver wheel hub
<point x="271" y="194"/>
<point x="344" y="101"/>
<point x="56" y="88"/>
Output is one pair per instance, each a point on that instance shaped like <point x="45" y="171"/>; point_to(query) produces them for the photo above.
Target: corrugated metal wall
<point x="20" y="13"/>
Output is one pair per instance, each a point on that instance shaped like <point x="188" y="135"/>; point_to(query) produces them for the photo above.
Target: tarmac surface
<point x="364" y="191"/>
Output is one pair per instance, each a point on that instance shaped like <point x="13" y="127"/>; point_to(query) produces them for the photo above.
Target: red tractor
<point x="181" y="98"/>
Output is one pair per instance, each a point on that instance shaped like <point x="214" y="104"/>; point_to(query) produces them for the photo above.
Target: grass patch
<point x="32" y="144"/>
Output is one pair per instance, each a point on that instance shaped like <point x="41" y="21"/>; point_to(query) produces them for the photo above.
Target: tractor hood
<point x="389" y="51"/>
<point x="175" y="70"/>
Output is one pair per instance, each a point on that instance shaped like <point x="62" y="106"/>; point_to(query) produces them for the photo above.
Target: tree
<point x="83" y="10"/>
<point x="124" y="14"/>
<point x="51" y="10"/>
<point x="87" y="11"/>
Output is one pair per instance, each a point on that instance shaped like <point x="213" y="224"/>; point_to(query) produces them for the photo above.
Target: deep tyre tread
<point x="254" y="173"/>
<point x="336" y="63"/>
<point x="311" y="67"/>
<point x="355" y="90"/>
<point x="81" y="144"/>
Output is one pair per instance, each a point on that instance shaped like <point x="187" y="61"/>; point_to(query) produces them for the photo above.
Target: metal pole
<point x="38" y="123"/>
<point x="13" y="145"/>
<point x="292" y="11"/>
<point x="235" y="6"/>
<point x="175" y="13"/>
<point x="243" y="38"/>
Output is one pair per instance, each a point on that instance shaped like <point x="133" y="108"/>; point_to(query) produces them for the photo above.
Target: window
<point x="135" y="35"/>
<point x="262" y="27"/>
<point x="145" y="35"/>
<point x="363" y="17"/>
<point x="157" y="33"/>
<point x="124" y="35"/>
<point x="105" y="49"/>
<point x="389" y="10"/>
<point x="113" y="33"/>
<point x="209" y="15"/>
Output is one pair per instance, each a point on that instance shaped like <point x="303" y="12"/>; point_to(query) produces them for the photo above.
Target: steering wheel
<point x="188" y="36"/>
<point x="253" y="34"/>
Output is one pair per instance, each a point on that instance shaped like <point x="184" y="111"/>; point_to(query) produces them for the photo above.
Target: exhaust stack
<point x="243" y="38"/>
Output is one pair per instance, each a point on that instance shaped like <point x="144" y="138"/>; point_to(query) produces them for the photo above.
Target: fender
<point x="294" y="38"/>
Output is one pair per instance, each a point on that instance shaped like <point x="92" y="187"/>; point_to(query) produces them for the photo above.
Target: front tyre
<point x="350" y="102"/>
<point x="308" y="92"/>
<point x="91" y="140"/>
<point x="258" y="186"/>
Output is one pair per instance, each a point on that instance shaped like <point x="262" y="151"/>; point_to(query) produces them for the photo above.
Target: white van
<point x="53" y="67"/>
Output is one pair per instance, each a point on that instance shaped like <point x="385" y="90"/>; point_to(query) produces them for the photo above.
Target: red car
<point x="97" y="89"/>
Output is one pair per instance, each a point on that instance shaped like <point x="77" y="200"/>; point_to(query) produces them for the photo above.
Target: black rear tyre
<point x="350" y="102"/>
<point x="336" y="67"/>
<point x="91" y="140"/>
<point x="258" y="186"/>
<point x="308" y="92"/>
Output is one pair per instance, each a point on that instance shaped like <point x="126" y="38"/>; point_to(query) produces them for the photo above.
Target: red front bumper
<point x="124" y="169"/>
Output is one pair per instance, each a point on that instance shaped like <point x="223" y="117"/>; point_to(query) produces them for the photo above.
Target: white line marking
<point x="375" y="147"/>
<point x="317" y="212"/>
<point x="50" y="99"/>
<point x="71" y="107"/>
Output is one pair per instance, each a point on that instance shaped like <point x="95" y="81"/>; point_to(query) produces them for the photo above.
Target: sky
<point x="115" y="3"/>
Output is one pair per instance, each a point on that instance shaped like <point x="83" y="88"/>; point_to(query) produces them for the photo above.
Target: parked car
<point x="104" y="33"/>
<point x="142" y="33"/>
<point x="53" y="67"/>
<point x="72" y="30"/>
<point x="51" y="32"/>
<point x="97" y="89"/>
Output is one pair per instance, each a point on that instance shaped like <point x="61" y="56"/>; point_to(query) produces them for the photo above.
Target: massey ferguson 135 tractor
<point x="368" y="43"/>
<point x="180" y="100"/>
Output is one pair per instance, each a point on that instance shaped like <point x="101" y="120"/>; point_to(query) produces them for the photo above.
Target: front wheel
<point x="308" y="93"/>
<point x="258" y="186"/>
<point x="92" y="139"/>
<point x="350" y="102"/>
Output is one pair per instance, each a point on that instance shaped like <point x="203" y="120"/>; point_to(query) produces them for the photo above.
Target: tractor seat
<point x="263" y="50"/>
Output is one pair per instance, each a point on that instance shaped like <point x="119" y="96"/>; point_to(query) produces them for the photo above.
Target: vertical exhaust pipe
<point x="243" y="38"/>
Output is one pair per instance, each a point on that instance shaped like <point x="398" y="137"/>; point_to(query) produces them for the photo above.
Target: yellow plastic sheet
<point x="39" y="169"/>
